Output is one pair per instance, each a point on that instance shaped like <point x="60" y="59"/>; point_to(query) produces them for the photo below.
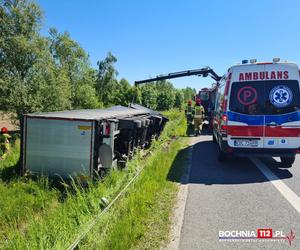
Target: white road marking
<point x="287" y="193"/>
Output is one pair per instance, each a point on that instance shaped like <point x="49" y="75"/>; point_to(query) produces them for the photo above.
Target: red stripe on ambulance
<point x="257" y="131"/>
<point x="282" y="132"/>
<point x="261" y="131"/>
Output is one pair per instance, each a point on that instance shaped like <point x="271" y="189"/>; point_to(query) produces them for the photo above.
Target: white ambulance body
<point x="257" y="111"/>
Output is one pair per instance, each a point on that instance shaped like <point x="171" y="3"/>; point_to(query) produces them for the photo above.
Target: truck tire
<point x="287" y="161"/>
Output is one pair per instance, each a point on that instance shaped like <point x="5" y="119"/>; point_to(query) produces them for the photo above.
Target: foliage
<point x="53" y="73"/>
<point x="179" y="98"/>
<point x="188" y="93"/>
<point x="106" y="83"/>
<point x="149" y="95"/>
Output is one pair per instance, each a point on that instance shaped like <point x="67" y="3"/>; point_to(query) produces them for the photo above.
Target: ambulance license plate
<point x="246" y="143"/>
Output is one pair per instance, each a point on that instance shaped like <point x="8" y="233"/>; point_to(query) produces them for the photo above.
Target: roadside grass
<point x="142" y="219"/>
<point x="8" y="167"/>
<point x="34" y="215"/>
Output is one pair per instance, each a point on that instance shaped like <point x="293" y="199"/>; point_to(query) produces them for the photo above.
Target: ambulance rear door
<point x="245" y="114"/>
<point x="282" y="107"/>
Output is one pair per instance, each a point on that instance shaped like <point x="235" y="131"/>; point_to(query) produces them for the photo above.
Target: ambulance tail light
<point x="224" y="120"/>
<point x="298" y="151"/>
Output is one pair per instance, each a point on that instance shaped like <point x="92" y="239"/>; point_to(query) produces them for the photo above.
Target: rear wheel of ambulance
<point x="287" y="161"/>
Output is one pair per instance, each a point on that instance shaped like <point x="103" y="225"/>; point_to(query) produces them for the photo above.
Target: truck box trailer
<point x="82" y="143"/>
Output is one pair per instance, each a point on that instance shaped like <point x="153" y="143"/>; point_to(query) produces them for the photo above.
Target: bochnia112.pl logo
<point x="261" y="234"/>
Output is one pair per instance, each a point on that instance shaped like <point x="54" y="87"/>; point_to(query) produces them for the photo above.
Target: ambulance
<point x="257" y="111"/>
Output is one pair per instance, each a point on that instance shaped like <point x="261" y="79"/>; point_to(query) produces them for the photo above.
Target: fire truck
<point x="207" y="97"/>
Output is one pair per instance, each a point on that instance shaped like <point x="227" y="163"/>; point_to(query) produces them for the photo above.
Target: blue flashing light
<point x="244" y="61"/>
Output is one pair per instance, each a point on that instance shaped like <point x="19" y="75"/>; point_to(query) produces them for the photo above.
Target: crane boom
<point x="207" y="71"/>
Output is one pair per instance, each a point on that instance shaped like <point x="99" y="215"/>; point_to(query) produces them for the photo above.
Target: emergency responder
<point x="198" y="117"/>
<point x="189" y="112"/>
<point x="4" y="142"/>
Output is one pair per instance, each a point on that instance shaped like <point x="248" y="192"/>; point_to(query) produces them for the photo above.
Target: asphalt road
<point x="237" y="196"/>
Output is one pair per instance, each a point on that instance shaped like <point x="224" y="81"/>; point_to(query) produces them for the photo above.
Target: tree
<point x="54" y="73"/>
<point x="30" y="79"/>
<point x="74" y="62"/>
<point x="137" y="95"/>
<point x="125" y="93"/>
<point x="189" y="93"/>
<point x="86" y="98"/>
<point x="107" y="85"/>
<point x="21" y="50"/>
<point x="179" y="98"/>
<point x="149" y="96"/>
<point x="166" y="95"/>
<point x="20" y="21"/>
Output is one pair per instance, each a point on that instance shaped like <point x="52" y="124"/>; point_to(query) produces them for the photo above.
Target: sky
<point x="156" y="37"/>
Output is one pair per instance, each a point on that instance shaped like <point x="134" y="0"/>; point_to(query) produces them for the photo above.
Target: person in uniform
<point x="189" y="114"/>
<point x="198" y="117"/>
<point x="4" y="142"/>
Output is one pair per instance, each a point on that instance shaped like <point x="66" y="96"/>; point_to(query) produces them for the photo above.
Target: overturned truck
<point x="86" y="143"/>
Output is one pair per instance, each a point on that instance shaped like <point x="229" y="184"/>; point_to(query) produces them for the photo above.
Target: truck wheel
<point x="287" y="161"/>
<point x="222" y="156"/>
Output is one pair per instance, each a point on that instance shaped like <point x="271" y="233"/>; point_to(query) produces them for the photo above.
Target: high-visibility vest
<point x="189" y="110"/>
<point x="199" y="110"/>
<point x="4" y="138"/>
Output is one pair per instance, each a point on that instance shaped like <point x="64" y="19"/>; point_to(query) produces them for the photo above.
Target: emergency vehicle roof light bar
<point x="207" y="71"/>
<point x="276" y="59"/>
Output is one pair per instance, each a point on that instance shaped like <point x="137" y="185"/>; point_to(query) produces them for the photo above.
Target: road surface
<point x="239" y="195"/>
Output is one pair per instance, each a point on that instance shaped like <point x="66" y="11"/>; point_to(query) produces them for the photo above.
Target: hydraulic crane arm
<point x="207" y="71"/>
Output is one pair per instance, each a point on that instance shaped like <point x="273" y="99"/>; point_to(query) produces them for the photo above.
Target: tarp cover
<point x="92" y="114"/>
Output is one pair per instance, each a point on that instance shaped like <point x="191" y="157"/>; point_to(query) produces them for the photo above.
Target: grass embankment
<point x="141" y="220"/>
<point x="36" y="216"/>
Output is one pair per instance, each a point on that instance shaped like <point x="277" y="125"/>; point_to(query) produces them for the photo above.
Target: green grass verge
<point x="141" y="220"/>
<point x="36" y="216"/>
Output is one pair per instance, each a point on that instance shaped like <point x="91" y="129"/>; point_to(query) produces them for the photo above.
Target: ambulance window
<point x="247" y="98"/>
<point x="281" y="97"/>
<point x="219" y="97"/>
<point x="204" y="96"/>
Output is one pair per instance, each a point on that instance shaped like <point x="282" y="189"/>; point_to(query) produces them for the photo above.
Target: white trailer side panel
<point x="58" y="147"/>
